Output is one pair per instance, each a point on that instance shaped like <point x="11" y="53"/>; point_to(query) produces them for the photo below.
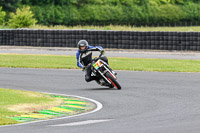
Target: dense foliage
<point x="103" y="12"/>
<point x="22" y="18"/>
<point x="2" y="16"/>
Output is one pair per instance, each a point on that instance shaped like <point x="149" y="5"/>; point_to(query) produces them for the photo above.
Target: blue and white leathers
<point x="84" y="58"/>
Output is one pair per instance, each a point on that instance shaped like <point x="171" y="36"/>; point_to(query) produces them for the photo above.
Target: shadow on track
<point x="99" y="89"/>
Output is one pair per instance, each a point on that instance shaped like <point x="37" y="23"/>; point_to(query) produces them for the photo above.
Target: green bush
<point x="54" y="14"/>
<point x="169" y="14"/>
<point x="39" y="13"/>
<point x="103" y="12"/>
<point x="22" y="18"/>
<point x="193" y="12"/>
<point x="2" y="16"/>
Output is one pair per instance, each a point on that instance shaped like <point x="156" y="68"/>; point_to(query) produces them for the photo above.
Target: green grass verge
<point x="160" y="65"/>
<point x="116" y="27"/>
<point x="69" y="62"/>
<point x="37" y="61"/>
<point x="121" y="28"/>
<point x="16" y="102"/>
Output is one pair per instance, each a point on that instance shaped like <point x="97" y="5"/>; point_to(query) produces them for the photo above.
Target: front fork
<point x="104" y="72"/>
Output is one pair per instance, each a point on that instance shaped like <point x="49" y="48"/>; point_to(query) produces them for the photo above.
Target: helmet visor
<point x="82" y="47"/>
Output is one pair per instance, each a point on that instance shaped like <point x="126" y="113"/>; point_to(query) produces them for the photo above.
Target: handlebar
<point x="102" y="52"/>
<point x="100" y="55"/>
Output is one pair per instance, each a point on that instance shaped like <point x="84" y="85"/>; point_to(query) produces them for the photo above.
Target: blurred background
<point x="99" y="13"/>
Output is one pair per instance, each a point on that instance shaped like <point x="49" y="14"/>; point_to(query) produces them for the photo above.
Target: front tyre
<point x="113" y="81"/>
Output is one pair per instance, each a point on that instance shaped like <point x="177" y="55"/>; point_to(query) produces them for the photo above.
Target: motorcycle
<point x="104" y="73"/>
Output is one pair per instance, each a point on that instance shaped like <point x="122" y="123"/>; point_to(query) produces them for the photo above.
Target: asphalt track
<point x="130" y="53"/>
<point x="149" y="102"/>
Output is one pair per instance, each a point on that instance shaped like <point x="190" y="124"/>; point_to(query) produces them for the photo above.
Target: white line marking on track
<point x="99" y="106"/>
<point x="82" y="123"/>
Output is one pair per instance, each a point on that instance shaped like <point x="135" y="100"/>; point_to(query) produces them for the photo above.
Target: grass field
<point x="16" y="102"/>
<point x="69" y="62"/>
<point x="122" y="28"/>
<point x="37" y="61"/>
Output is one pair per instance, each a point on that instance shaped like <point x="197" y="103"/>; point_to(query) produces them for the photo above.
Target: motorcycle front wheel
<point x="113" y="80"/>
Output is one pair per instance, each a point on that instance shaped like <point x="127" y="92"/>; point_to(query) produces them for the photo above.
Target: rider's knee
<point x="87" y="78"/>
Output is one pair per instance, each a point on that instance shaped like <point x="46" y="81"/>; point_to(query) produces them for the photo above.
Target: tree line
<point x="105" y="12"/>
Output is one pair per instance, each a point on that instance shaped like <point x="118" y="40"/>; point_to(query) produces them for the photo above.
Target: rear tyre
<point x="113" y="81"/>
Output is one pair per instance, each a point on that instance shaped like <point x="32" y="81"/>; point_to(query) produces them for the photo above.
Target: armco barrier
<point x="107" y="39"/>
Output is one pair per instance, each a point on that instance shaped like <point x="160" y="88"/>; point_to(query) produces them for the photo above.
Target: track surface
<point x="190" y="55"/>
<point x="149" y="102"/>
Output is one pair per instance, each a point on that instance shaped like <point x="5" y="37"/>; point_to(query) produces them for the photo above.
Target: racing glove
<point x="84" y="68"/>
<point x="102" y="52"/>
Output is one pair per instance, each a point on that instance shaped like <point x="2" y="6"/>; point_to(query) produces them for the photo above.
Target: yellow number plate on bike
<point x="97" y="64"/>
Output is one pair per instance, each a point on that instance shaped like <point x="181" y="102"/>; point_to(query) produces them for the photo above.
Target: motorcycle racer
<point x="84" y="58"/>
